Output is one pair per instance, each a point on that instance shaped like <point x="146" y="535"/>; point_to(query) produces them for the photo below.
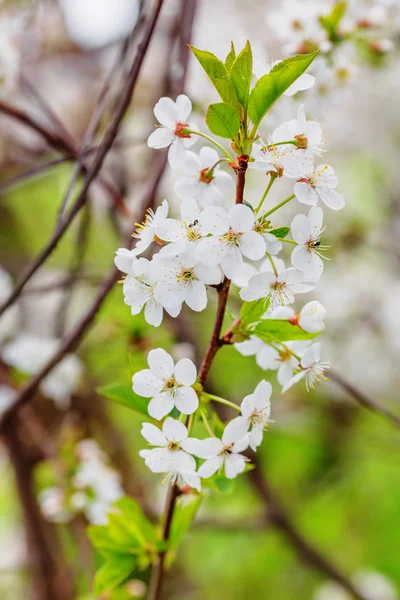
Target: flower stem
<point x="275" y="270"/>
<point x="206" y="423"/>
<point x="222" y="401"/>
<point x="281" y="144"/>
<point x="210" y="171"/>
<point x="279" y="205"/>
<point x="210" y="139"/>
<point x="269" y="186"/>
<point x="288" y="241"/>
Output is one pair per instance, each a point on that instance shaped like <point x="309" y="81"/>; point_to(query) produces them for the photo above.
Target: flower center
<point x="187" y="274"/>
<point x="206" y="176"/>
<point x="256" y="417"/>
<point x="181" y="130"/>
<point x="170" y="384"/>
<point x="173" y="446"/>
<point x="192" y="233"/>
<point x="231" y="237"/>
<point x="226" y="450"/>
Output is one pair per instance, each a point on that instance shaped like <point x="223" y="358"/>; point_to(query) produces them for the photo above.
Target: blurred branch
<point x="98" y="160"/>
<point x="363" y="399"/>
<point x="276" y="517"/>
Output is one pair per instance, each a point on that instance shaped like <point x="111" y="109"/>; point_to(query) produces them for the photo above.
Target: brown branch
<point x="277" y="517"/>
<point x="363" y="399"/>
<point x="98" y="160"/>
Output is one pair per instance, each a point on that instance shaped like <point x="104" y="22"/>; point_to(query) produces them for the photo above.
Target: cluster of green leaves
<point x="240" y="104"/>
<point x="332" y="21"/>
<point x="252" y="322"/>
<point x="129" y="542"/>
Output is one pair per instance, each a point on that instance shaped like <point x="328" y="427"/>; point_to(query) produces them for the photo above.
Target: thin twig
<point x="98" y="160"/>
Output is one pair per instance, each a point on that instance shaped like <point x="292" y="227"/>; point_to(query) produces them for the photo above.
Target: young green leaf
<point x="332" y="21"/>
<point x="184" y="515"/>
<point x="105" y="541"/>
<point x="113" y="572"/>
<point x="241" y="73"/>
<point x="223" y="120"/>
<point x="280" y="232"/>
<point x="252" y="312"/>
<point x="135" y="520"/>
<point x="218" y="75"/>
<point x="280" y="330"/>
<point x="123" y="394"/>
<point x="230" y="58"/>
<point x="270" y="87"/>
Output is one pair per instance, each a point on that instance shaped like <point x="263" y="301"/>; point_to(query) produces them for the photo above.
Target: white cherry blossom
<point x="183" y="230"/>
<point x="312" y="369"/>
<point x="183" y="278"/>
<point x="171" y="454"/>
<point x="225" y="453"/>
<point x="173" y="117"/>
<point x="167" y="384"/>
<point x="270" y="159"/>
<point x="210" y="188"/>
<point x="139" y="287"/>
<point x="310" y="318"/>
<point x="146" y="232"/>
<point x="256" y="410"/>
<point x="282" y="288"/>
<point x="308" y="135"/>
<point x="307" y="232"/>
<point x="232" y="236"/>
<point x="314" y="183"/>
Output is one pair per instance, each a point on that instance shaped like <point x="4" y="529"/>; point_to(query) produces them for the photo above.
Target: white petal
<point x="124" y="260"/>
<point x="158" y="459"/>
<point x="208" y="157"/>
<point x="190" y="211"/>
<point x="332" y="199"/>
<point x="171" y="230"/>
<point x="211" y="251"/>
<point x="263" y="393"/>
<point x="207" y="448"/>
<point x="305" y="193"/>
<point x="153" y="313"/>
<point x="160" y="138"/>
<point x="241" y="218"/>
<point x="308" y="262"/>
<point x="214" y="220"/>
<point x="174" y="430"/>
<point x="160" y="362"/>
<point x="232" y="262"/>
<point x="176" y="153"/>
<point x="210" y="195"/>
<point x="196" y="296"/>
<point x="234" y="464"/>
<point x="208" y="275"/>
<point x="255" y="438"/>
<point x="311" y="356"/>
<point x="272" y="243"/>
<point x="160" y="405"/>
<point x="247" y="405"/>
<point x="189" y="187"/>
<point x="252" y="245"/>
<point x="186" y="400"/>
<point x="312" y="317"/>
<point x="293" y="381"/>
<point x="235" y="430"/>
<point x="300" y="228"/>
<point x="191" y="478"/>
<point x="268" y="358"/>
<point x="315" y="219"/>
<point x="241" y="444"/>
<point x="166" y="112"/>
<point x="210" y="467"/>
<point x="185" y="371"/>
<point x="184" y="108"/>
<point x="146" y="384"/>
<point x="249" y="294"/>
<point x="153" y="435"/>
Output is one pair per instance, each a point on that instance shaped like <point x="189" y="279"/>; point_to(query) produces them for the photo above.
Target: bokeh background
<point x="332" y="464"/>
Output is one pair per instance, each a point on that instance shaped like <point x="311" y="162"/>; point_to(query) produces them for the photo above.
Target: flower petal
<point x="174" y="430"/>
<point x="166" y="112"/>
<point x="305" y="193"/>
<point x="153" y="435"/>
<point x="160" y="405"/>
<point x="241" y="218"/>
<point x="186" y="400"/>
<point x="235" y="430"/>
<point x="160" y="138"/>
<point x="234" y="464"/>
<point x="160" y="362"/>
<point x="146" y="384"/>
<point x="184" y="108"/>
<point x="332" y="199"/>
<point x="300" y="228"/>
<point x="196" y="296"/>
<point x="252" y="245"/>
<point x="209" y="467"/>
<point x="185" y="371"/>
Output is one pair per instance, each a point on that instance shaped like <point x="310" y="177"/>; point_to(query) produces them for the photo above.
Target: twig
<point x="100" y="155"/>
<point x="363" y="399"/>
<point x="277" y="517"/>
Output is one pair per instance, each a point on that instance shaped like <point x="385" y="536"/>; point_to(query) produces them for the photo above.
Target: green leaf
<point x="280" y="330"/>
<point x="271" y="86"/>
<point x="230" y="58"/>
<point x="218" y="75"/>
<point x="103" y="540"/>
<point x="223" y="485"/>
<point x="123" y="394"/>
<point x="280" y="232"/>
<point x="113" y="572"/>
<point x="241" y="73"/>
<point x="331" y="22"/>
<point x="223" y="120"/>
<point x="252" y="312"/>
<point x="135" y="520"/>
<point x="184" y="514"/>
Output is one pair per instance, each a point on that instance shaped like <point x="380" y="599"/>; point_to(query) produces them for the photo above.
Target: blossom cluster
<point x="92" y="489"/>
<point x="212" y="240"/>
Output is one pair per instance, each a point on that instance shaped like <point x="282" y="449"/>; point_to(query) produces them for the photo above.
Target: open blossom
<point x="210" y="186"/>
<point x="269" y="159"/>
<point x="310" y="318"/>
<point x="139" y="286"/>
<point x="224" y="453"/>
<point x="308" y="135"/>
<point x="312" y="369"/>
<point x="263" y="67"/>
<point x="167" y="385"/>
<point x="173" y="117"/>
<point x="29" y="353"/>
<point x="307" y="232"/>
<point x="256" y="410"/>
<point x="314" y="183"/>
<point x="146" y="232"/>
<point x="281" y="288"/>
<point x="232" y="236"/>
<point x="171" y="454"/>
<point x="181" y="231"/>
<point x="183" y="278"/>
